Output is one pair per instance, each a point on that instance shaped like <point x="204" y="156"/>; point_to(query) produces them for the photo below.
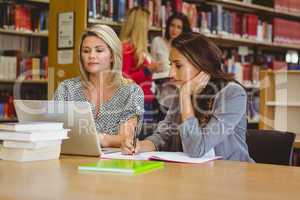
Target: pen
<point x="134" y="139"/>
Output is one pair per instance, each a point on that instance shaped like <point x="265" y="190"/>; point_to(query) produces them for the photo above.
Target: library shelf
<point x="40" y="1"/>
<point x="256" y="8"/>
<point x="24" y="33"/>
<point x="116" y="24"/>
<point x="3" y="120"/>
<point x="42" y="81"/>
<point x="283" y="104"/>
<point x="281" y="71"/>
<point x="232" y="40"/>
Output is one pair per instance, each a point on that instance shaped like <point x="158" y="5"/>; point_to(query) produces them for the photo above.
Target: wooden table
<point x="60" y="179"/>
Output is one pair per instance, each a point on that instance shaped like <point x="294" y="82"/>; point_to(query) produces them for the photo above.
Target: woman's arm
<point x="230" y="106"/>
<point x="125" y="134"/>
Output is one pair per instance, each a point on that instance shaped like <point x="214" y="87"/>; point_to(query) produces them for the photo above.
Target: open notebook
<point x="164" y="156"/>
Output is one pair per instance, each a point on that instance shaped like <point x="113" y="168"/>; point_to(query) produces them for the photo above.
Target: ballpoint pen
<point x="134" y="139"/>
<point x="135" y="133"/>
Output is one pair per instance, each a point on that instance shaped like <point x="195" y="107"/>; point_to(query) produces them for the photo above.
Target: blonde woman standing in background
<point x="116" y="102"/>
<point x="137" y="64"/>
<point x="176" y="24"/>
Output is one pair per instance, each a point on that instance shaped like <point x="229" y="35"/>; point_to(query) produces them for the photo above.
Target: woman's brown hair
<point x="207" y="57"/>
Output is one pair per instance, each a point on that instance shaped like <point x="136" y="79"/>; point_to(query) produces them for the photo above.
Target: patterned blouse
<point x="127" y="102"/>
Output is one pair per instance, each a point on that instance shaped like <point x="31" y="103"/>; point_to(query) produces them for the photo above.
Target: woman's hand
<point x="107" y="140"/>
<point x="128" y="148"/>
<point x="141" y="146"/>
<point x="155" y="66"/>
<point x="195" y="85"/>
<point x="128" y="133"/>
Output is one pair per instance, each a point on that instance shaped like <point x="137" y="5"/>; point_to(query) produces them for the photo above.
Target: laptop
<point x="76" y="116"/>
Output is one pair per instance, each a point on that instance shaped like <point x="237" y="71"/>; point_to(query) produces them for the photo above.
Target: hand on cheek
<point x="196" y="84"/>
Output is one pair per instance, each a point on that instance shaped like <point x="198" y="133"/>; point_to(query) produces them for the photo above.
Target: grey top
<point x="225" y="131"/>
<point x="127" y="102"/>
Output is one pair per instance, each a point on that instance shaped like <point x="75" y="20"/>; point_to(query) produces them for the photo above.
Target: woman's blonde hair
<point x="109" y="36"/>
<point x="135" y="30"/>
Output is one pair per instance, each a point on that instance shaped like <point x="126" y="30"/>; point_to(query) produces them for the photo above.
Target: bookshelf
<point x="40" y="1"/>
<point x="24" y="81"/>
<point x="227" y="40"/>
<point x="238" y="5"/>
<point x="280" y="102"/>
<point x="23" y="53"/>
<point x="258" y="10"/>
<point x="24" y="33"/>
<point x="118" y="25"/>
<point x="228" y="35"/>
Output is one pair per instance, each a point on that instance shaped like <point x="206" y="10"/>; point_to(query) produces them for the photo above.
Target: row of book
<point x="23" y="17"/>
<point x="14" y="67"/>
<point x="28" y="45"/>
<point x="31" y="141"/>
<point x="217" y="20"/>
<point x="115" y="10"/>
<point x="241" y="63"/>
<point x="213" y="19"/>
<point x="245" y="73"/>
<point x="287" y="5"/>
<point x="286" y="32"/>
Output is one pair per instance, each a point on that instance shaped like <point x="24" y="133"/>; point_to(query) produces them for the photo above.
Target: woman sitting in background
<point x="116" y="102"/>
<point x="209" y="112"/>
<point x="176" y="24"/>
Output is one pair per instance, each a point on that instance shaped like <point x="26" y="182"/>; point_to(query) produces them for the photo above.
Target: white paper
<point x="66" y="30"/>
<point x="164" y="156"/>
<point x="65" y="56"/>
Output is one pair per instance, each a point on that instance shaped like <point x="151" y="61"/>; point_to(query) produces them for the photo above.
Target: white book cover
<point x="23" y="155"/>
<point x="30" y="145"/>
<point x="31" y="126"/>
<point x="34" y="135"/>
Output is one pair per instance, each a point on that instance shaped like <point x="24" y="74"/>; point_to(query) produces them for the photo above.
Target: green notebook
<point x="122" y="166"/>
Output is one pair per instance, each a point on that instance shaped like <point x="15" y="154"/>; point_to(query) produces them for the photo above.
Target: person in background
<point x="137" y="63"/>
<point x="116" y="102"/>
<point x="209" y="113"/>
<point x="176" y="24"/>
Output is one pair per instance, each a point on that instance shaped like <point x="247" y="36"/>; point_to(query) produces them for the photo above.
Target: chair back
<point x="270" y="146"/>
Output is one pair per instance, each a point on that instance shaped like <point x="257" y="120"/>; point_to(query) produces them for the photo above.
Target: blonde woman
<point x="117" y="103"/>
<point x="137" y="64"/>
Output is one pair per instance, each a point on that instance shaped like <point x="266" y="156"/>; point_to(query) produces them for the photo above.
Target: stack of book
<point x="30" y="141"/>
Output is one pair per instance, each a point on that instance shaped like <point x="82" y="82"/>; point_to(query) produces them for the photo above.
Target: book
<point x="34" y="135"/>
<point x="31" y="126"/>
<point x="30" y="145"/>
<point x="24" y="155"/>
<point x="122" y="166"/>
<point x="179" y="157"/>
